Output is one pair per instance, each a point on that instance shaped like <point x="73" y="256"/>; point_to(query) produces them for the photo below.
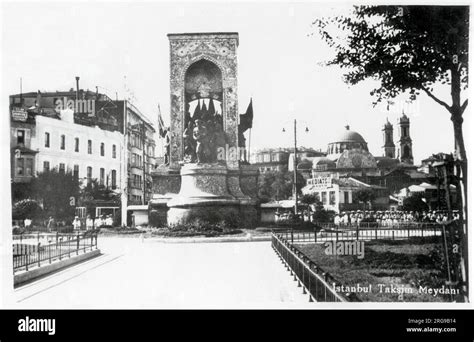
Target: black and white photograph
<point x="235" y="155"/>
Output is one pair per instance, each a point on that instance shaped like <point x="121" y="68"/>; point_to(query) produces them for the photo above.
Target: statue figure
<point x="189" y="144"/>
<point x="167" y="143"/>
<point x="219" y="141"/>
<point x="201" y="136"/>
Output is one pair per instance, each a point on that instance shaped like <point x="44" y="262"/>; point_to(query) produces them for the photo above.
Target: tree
<point x="26" y="208"/>
<point x="365" y="196"/>
<point x="59" y="192"/>
<point x="278" y="185"/>
<point x="322" y="215"/>
<point x="415" y="203"/>
<point x="308" y="199"/>
<point x="409" y="49"/>
<point x="95" y="191"/>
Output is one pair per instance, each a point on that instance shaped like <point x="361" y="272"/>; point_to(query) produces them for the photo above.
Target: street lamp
<point x="295" y="165"/>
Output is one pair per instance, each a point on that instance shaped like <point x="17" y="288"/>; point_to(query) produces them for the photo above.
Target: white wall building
<point x="91" y="152"/>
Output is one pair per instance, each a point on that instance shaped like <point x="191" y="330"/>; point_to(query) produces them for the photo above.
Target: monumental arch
<point x="204" y="120"/>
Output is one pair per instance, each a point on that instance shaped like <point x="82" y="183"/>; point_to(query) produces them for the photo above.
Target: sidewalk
<point x="135" y="274"/>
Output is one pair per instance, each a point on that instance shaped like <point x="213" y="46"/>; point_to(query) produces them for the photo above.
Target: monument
<point x="205" y="174"/>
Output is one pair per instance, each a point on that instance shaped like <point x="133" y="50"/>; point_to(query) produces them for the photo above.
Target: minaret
<point x="388" y="145"/>
<point x="404" y="148"/>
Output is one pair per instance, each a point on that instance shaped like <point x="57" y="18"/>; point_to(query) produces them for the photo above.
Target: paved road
<point x="133" y="273"/>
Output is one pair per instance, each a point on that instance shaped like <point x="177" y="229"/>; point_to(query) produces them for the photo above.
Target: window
<point x="62" y="167"/>
<point x="29" y="167"/>
<point x="102" y="176"/>
<point x="318" y="197"/>
<point x="46" y="166"/>
<point x="324" y="197"/>
<point x="76" y="171"/>
<point x="20" y="137"/>
<point x="114" y="151"/>
<point x="266" y="158"/>
<point x="332" y="197"/>
<point x="20" y="167"/>
<point x="102" y="149"/>
<point x="24" y="167"/>
<point x="404" y="131"/>
<point x="346" y="196"/>
<point x="89" y="174"/>
<point x="63" y="142"/>
<point x="89" y="146"/>
<point x="76" y="144"/>
<point x="114" y="179"/>
<point x="46" y="139"/>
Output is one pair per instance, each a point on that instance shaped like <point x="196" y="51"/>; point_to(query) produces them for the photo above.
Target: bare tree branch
<point x="430" y="94"/>
<point x="463" y="107"/>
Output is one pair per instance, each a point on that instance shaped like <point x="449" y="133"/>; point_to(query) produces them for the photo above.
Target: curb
<point x="21" y="278"/>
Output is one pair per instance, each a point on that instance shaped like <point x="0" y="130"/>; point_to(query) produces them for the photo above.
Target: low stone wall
<point x="30" y="275"/>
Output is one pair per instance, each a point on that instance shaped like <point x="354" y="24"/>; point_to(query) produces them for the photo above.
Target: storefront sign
<point x="19" y="114"/>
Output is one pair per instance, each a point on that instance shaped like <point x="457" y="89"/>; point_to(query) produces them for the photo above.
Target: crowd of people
<point x="52" y="224"/>
<point x="390" y="218"/>
<point x="377" y="218"/>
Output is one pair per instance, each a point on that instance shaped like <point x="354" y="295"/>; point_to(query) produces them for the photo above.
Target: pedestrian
<point x="89" y="223"/>
<point x="51" y="224"/>
<point x="97" y="223"/>
<point x="27" y="223"/>
<point x="76" y="223"/>
<point x="109" y="221"/>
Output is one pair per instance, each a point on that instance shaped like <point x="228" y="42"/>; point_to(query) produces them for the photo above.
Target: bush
<point x="200" y="226"/>
<point x="27" y="208"/>
<point x="18" y="230"/>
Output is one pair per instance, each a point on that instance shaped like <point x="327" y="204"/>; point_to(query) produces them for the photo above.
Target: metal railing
<point x="337" y="233"/>
<point x="315" y="282"/>
<point x="30" y="253"/>
<point x="373" y="225"/>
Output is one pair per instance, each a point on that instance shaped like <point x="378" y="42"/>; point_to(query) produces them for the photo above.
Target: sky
<point x="119" y="46"/>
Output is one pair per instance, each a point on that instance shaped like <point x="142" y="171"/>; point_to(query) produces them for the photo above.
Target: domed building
<point x="349" y="166"/>
<point x="347" y="140"/>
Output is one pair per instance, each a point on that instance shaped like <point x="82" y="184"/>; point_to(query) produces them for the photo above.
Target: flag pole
<point x="160" y="120"/>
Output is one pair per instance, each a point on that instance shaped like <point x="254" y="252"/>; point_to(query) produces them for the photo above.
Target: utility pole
<point x="295" y="173"/>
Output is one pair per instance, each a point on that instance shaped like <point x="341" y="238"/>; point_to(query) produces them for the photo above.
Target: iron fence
<point x="350" y="233"/>
<point x="315" y="282"/>
<point x="34" y="253"/>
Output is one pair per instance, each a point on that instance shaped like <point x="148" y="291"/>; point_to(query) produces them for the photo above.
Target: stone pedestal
<point x="166" y="181"/>
<point x="203" y="195"/>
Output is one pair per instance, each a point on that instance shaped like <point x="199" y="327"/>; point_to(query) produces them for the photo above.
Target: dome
<point x="323" y="163"/>
<point x="305" y="165"/>
<point x="356" y="159"/>
<point x="348" y="140"/>
<point x="350" y="136"/>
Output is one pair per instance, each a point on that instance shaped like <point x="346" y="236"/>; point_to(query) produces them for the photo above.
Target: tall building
<point x="388" y="145"/>
<point x="88" y="134"/>
<point x="269" y="159"/>
<point x="404" y="149"/>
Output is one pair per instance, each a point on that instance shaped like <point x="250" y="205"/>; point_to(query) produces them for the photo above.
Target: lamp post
<point x="295" y="165"/>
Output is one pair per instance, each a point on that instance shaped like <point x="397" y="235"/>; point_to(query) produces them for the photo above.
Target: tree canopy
<point x="408" y="49"/>
<point x="59" y="192"/>
<point x="278" y="185"/>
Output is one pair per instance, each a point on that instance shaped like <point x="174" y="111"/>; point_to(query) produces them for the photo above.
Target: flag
<point x="212" y="109"/>
<point x="197" y="111"/>
<point x="246" y="119"/>
<point x="161" y="124"/>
